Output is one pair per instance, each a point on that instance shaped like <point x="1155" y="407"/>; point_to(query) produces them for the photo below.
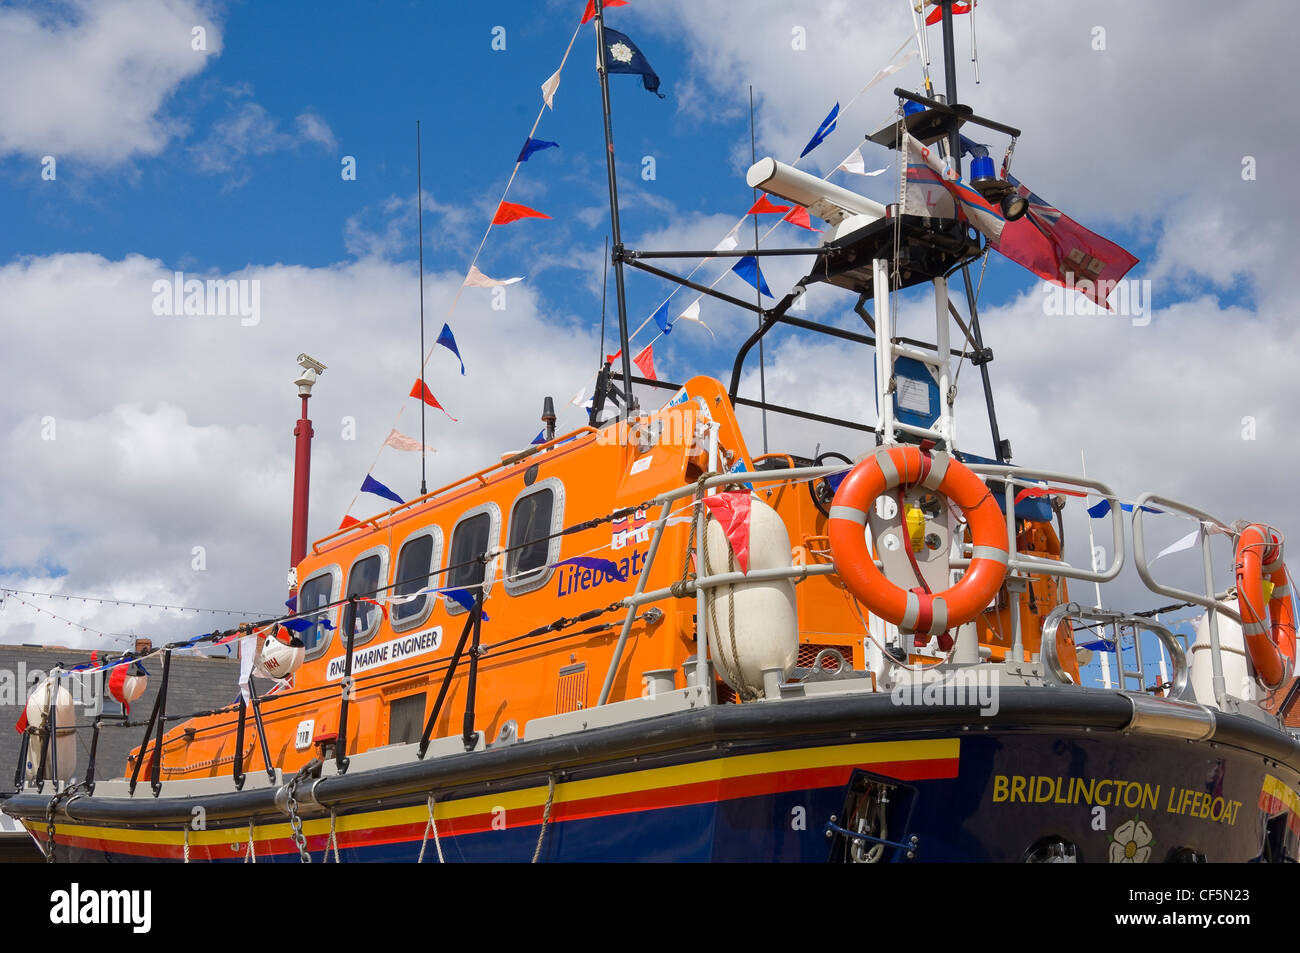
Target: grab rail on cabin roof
<point x="1179" y="688"/>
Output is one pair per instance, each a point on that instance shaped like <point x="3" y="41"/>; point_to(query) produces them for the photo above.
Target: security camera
<point x="310" y="364"/>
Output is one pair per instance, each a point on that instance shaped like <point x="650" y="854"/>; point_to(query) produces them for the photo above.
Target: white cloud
<point x="93" y="84"/>
<point x="175" y="432"/>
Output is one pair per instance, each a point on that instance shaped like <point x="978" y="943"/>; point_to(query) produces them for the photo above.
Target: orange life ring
<point x="917" y="611"/>
<point x="1269" y="640"/>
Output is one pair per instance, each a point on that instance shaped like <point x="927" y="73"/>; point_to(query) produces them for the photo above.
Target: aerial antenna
<point x="419" y="214"/>
<point x="758" y="295"/>
<point x="629" y="405"/>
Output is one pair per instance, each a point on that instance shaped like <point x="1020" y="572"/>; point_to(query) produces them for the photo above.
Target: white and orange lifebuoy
<point x="1270" y="633"/>
<point x="915" y="610"/>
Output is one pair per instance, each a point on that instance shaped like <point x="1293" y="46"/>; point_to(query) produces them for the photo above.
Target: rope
<point x="432" y="825"/>
<point x="546" y="816"/>
<point x="332" y="842"/>
<point x="250" y="855"/>
<point x="187" y="844"/>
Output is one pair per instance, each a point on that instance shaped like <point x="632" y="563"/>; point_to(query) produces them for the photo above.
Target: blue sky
<point x="174" y="433"/>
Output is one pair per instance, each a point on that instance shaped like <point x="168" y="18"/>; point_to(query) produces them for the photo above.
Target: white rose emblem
<point x="621" y="52"/>
<point x="1131" y="843"/>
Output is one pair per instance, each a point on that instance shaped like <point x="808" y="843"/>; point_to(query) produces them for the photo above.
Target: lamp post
<point x="302" y="433"/>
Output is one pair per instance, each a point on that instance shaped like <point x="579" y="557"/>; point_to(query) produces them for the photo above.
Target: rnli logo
<point x="630" y="530"/>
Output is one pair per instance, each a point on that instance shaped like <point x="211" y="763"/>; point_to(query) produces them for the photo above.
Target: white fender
<point x="65" y="749"/>
<point x="766" y="626"/>
<point x="1238" y="675"/>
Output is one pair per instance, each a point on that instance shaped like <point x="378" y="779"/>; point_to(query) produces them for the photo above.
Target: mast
<point x="629" y="405"/>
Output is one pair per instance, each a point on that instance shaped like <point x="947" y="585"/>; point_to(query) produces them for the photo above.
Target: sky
<point x="147" y="457"/>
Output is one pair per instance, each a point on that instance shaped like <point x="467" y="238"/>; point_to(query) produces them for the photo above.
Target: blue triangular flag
<point x="292" y="603"/>
<point x="747" y="268"/>
<point x="297" y="625"/>
<point x="448" y="340"/>
<point x="607" y="566"/>
<point x="1101" y="509"/>
<point x="824" y="130"/>
<point x="534" y="145"/>
<point x="623" y="56"/>
<point x="540" y="438"/>
<point x="661" y="318"/>
<point x="371" y="485"/>
<point x="463" y="599"/>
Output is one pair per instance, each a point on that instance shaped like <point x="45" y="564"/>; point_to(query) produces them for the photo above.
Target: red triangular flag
<point x="611" y="358"/>
<point x="936" y="14"/>
<point x="591" y="8"/>
<point x="348" y="521"/>
<point x="732" y="511"/>
<point x="799" y="216"/>
<point x="421" y="390"/>
<point x="21" y="727"/>
<point x="508" y="212"/>
<point x="764" y="206"/>
<point x="646" y="362"/>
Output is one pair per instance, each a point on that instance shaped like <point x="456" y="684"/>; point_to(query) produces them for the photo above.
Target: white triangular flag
<point x="888" y="71"/>
<point x="1187" y="542"/>
<point x="692" y="313"/>
<point x="853" y="163"/>
<point x="400" y="441"/>
<point x="730" y="241"/>
<point x="548" y="89"/>
<point x="579" y="397"/>
<point x="476" y="279"/>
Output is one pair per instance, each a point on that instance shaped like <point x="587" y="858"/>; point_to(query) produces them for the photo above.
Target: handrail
<point x="1179" y="685"/>
<point x="1210" y="601"/>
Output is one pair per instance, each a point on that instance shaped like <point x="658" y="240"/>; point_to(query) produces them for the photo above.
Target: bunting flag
<point x="1187" y="542"/>
<point x="292" y="602"/>
<point x="747" y="268"/>
<point x="532" y="145"/>
<point x="463" y="599"/>
<point x="692" y="313"/>
<point x="591" y="8"/>
<point x="824" y="130"/>
<point x="580" y="397"/>
<point x="476" y="279"/>
<point x="540" y="438"/>
<point x="731" y="510"/>
<point x="548" y="89"/>
<point x="958" y="9"/>
<point x="623" y="56"/>
<point x="596" y="564"/>
<point x="646" y="362"/>
<point x="349" y="521"/>
<point x="799" y="216"/>
<point x="508" y="212"/>
<point x="448" y="340"/>
<point x="21" y="725"/>
<point x="400" y="441"/>
<point x="421" y="390"/>
<point x="371" y="485"/>
<point x="661" y="319"/>
<point x="730" y="241"/>
<point x="1101" y="509"/>
<point x="764" y="206"/>
<point x="853" y="163"/>
<point x="611" y="358"/>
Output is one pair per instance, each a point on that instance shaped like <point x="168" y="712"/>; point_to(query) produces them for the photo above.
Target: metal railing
<point x="1178" y="687"/>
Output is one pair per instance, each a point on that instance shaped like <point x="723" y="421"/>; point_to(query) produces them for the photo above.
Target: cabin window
<point x="364" y="580"/>
<point x="416" y="562"/>
<point x="316" y="592"/>
<point x="475" y="533"/>
<point x="535" y="517"/>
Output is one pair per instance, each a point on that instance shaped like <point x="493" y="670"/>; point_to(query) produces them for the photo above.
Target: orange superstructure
<point x="529" y="514"/>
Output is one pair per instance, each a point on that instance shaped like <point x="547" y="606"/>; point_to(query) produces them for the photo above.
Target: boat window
<point x="364" y="580"/>
<point x="416" y="561"/>
<point x="475" y="533"/>
<point x="535" y="517"/>
<point x="316" y="592"/>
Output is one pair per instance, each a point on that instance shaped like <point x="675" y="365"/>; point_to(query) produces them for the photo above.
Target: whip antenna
<point x="419" y="215"/>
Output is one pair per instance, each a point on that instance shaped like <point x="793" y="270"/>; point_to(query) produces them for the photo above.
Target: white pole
<point x="1092" y="548"/>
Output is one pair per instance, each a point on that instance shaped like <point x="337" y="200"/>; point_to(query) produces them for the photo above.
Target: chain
<point x="68" y="794"/>
<point x="295" y="822"/>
